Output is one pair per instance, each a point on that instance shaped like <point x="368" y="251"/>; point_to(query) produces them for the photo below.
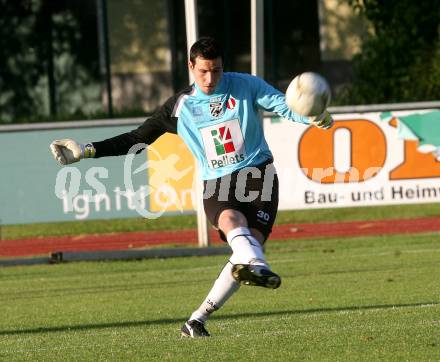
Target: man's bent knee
<point x="230" y="219"/>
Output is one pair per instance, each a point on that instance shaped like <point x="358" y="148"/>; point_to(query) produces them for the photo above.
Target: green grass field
<point x="354" y="299"/>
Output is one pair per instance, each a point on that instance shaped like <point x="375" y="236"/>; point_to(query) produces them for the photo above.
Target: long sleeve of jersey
<point x="272" y="100"/>
<point x="160" y="122"/>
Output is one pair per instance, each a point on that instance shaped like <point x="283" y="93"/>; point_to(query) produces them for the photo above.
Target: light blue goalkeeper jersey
<point x="224" y="130"/>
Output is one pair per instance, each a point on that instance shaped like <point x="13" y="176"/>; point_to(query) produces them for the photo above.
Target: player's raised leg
<point x="249" y="263"/>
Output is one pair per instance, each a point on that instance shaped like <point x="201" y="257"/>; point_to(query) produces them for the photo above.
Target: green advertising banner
<point x="35" y="188"/>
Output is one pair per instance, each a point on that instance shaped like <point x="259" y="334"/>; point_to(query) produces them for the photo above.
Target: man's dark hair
<point x="207" y="48"/>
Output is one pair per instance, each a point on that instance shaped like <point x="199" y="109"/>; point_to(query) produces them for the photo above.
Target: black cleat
<point x="256" y="275"/>
<point x="194" y="329"/>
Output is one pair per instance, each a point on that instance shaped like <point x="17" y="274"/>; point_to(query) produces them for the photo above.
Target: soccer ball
<point x="308" y="94"/>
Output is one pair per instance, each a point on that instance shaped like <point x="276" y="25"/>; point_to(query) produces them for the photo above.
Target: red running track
<point x="139" y="240"/>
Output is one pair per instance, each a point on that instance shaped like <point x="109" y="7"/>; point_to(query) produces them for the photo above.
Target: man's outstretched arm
<point x="67" y="151"/>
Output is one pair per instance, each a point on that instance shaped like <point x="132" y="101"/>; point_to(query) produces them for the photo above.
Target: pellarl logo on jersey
<point x="223" y="140"/>
<point x="224" y="144"/>
<point x="216" y="107"/>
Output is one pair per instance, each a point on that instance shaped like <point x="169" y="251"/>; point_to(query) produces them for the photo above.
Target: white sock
<point x="245" y="248"/>
<point x="221" y="291"/>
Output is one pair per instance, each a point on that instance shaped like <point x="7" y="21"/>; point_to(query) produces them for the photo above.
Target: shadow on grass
<point x="45" y="292"/>
<point x="229" y="316"/>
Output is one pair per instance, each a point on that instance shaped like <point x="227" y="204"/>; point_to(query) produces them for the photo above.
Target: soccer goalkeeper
<point x="218" y="118"/>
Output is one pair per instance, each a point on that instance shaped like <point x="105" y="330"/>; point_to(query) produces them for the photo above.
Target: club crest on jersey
<point x="216" y="107"/>
<point x="224" y="144"/>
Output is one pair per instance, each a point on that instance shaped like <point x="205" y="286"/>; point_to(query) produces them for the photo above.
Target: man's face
<point x="207" y="73"/>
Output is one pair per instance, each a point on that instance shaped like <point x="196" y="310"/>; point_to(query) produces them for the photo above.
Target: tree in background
<point x="48" y="59"/>
<point x="400" y="60"/>
<point x="18" y="59"/>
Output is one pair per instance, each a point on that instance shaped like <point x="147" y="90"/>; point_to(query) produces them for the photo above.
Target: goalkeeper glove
<point x="67" y="151"/>
<point x="324" y="120"/>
